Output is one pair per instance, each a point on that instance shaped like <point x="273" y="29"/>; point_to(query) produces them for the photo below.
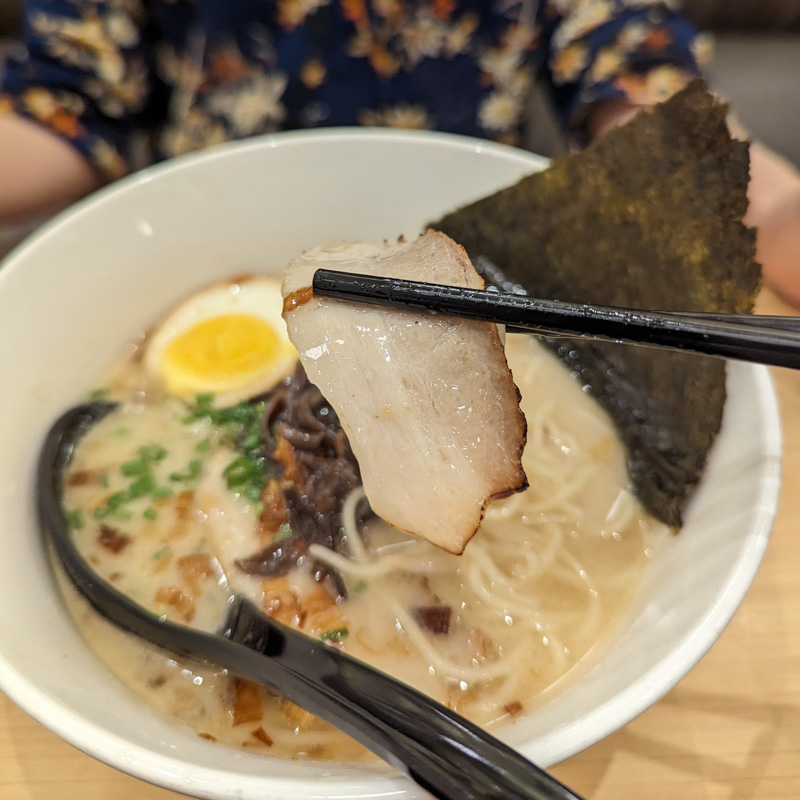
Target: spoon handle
<point x="441" y="751"/>
<point x="450" y="757"/>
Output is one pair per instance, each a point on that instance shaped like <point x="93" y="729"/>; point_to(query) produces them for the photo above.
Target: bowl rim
<point x="282" y="139"/>
<point x="163" y="770"/>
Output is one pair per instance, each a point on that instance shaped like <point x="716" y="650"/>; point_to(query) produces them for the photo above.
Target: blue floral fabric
<point x="193" y="73"/>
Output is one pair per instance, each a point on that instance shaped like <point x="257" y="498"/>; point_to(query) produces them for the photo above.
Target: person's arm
<point x="604" y="116"/>
<point x="774" y="211"/>
<point x="69" y="102"/>
<point x="41" y="172"/>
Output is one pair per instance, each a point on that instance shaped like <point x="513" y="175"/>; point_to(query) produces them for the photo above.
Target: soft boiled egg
<point x="228" y="340"/>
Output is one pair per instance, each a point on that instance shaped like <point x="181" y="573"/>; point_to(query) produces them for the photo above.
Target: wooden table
<point x="729" y="731"/>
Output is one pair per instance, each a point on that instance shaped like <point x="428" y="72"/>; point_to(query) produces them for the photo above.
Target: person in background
<point x="106" y="86"/>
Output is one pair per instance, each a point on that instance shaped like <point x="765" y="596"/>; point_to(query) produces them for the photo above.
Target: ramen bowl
<point x="79" y="289"/>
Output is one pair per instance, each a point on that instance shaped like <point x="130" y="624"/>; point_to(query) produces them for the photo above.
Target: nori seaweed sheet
<point x="649" y="216"/>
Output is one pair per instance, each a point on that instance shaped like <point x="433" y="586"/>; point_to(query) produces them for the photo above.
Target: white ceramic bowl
<point x="74" y="293"/>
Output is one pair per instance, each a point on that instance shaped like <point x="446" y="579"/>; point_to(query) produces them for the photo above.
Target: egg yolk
<point x="223" y="354"/>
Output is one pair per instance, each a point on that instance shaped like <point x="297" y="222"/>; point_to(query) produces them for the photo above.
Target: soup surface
<point x="165" y="506"/>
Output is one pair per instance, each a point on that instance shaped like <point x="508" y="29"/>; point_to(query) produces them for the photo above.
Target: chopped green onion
<point x="241" y="471"/>
<point x="246" y="475"/>
<point x="75" y="519"/>
<point x="150" y="513"/>
<point x="161" y="553"/>
<point x="142" y="486"/>
<point x="153" y="452"/>
<point x="204" y="400"/>
<point x="335" y="635"/>
<point x="192" y="472"/>
<point x="252" y="491"/>
<point x="117" y="500"/>
<point x="138" y="466"/>
<point x="240" y="427"/>
<point x="252" y="442"/>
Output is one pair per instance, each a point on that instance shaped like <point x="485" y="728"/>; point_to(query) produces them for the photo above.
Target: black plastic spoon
<point x="444" y="753"/>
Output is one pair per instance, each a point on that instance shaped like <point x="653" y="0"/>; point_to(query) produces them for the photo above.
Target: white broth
<point x="493" y="633"/>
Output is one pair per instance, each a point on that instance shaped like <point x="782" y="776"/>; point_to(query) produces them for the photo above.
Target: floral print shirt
<point x="193" y="73"/>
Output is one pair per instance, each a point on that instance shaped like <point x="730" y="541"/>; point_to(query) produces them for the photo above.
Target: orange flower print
<point x="227" y="65"/>
<point x="459" y="35"/>
<point x="117" y="99"/>
<point x="582" y="18"/>
<point x="632" y="35"/>
<point x="568" y="64"/>
<point x="293" y="13"/>
<point x="443" y="9"/>
<point x="501" y="63"/>
<point x="656" y="86"/>
<point x="356" y="12"/>
<point x="423" y="37"/>
<point x="64" y="122"/>
<point x="81" y="43"/>
<point x="500" y="111"/>
<point x="657" y="39"/>
<point x="44" y="106"/>
<point x="107" y="159"/>
<point x="391" y="10"/>
<point x="361" y="45"/>
<point x="607" y="63"/>
<point x="313" y="74"/>
<point x="121" y="29"/>
<point x="384" y="64"/>
<point x="252" y="106"/>
<point x="192" y="131"/>
<point x="179" y="69"/>
<point x="520" y="37"/>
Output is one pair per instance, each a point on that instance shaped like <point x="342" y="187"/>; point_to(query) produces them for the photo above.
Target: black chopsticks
<point x="773" y="340"/>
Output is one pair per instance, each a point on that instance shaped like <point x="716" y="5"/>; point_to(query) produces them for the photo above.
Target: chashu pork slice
<point x="427" y="401"/>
